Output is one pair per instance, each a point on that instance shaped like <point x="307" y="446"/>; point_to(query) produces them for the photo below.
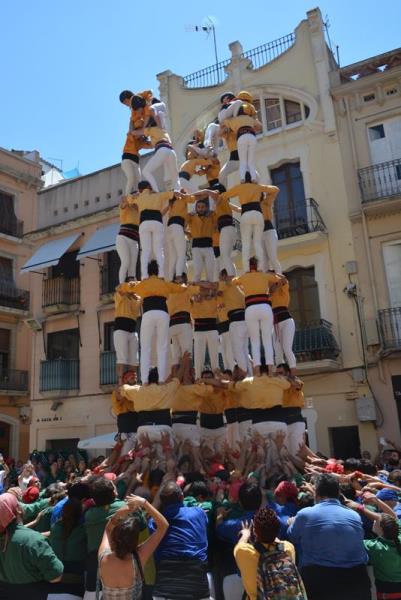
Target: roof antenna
<point x="209" y="27"/>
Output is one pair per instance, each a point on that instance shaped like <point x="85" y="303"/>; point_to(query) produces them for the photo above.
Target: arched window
<point x="304" y="304"/>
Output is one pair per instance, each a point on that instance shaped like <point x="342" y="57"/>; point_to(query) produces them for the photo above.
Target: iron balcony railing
<point x="298" y="220"/>
<point x="260" y="56"/>
<point x="13" y="380"/>
<point x="61" y="290"/>
<point x="61" y="374"/>
<point x="12" y="297"/>
<point x="390" y="328"/>
<point x="380" y="181"/>
<point x="315" y="341"/>
<point x="108" y="280"/>
<point x="108" y="373"/>
<point x="266" y="53"/>
<point x="11" y="226"/>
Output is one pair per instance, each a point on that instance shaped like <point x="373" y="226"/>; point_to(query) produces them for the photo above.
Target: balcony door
<point x="8" y="220"/>
<point x="63" y="344"/>
<point x="392" y="265"/>
<point x="290" y="208"/>
<point x="67" y="267"/>
<point x="385" y="147"/>
<point x="4" y="349"/>
<point x="304" y="304"/>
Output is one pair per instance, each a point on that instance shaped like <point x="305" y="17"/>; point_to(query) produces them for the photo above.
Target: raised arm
<point x="147" y="548"/>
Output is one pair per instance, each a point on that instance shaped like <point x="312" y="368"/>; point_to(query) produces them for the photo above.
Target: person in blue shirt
<point x="229" y="527"/>
<point x="390" y="497"/>
<point x="181" y="558"/>
<point x="333" y="557"/>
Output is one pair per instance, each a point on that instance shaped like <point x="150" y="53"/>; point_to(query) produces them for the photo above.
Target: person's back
<point x="330" y="538"/>
<point x="181" y="559"/>
<point x="385" y="556"/>
<point x="27" y="563"/>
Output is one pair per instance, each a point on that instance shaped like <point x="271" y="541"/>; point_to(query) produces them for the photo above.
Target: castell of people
<point x="200" y="300"/>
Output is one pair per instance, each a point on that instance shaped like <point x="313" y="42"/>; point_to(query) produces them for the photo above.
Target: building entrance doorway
<point x="5" y="438"/>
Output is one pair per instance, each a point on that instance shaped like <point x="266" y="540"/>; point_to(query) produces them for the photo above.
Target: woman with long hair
<point x="121" y="560"/>
<point x="385" y="557"/>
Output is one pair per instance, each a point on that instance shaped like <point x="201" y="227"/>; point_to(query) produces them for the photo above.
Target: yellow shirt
<point x="267" y="203"/>
<point x="205" y="309"/>
<point x="120" y="406"/>
<point x="294" y="398"/>
<point x="235" y="123"/>
<point x="133" y="144"/>
<point x="181" y="302"/>
<point x="232" y="298"/>
<point x="156" y="134"/>
<point x="126" y="306"/>
<point x="214" y="402"/>
<point x="223" y="207"/>
<point x="246" y="192"/>
<point x="281" y="296"/>
<point x="178" y="208"/>
<point x="128" y="215"/>
<point x="222" y="314"/>
<point x="191" y="165"/>
<point x="155" y="286"/>
<point x="261" y="392"/>
<point x="255" y="282"/>
<point x="188" y="397"/>
<point x="151" y="397"/>
<point x="211" y="169"/>
<point x="247" y="558"/>
<point x="202" y="227"/>
<point x="216" y="239"/>
<point x="148" y="200"/>
<point x="230" y="138"/>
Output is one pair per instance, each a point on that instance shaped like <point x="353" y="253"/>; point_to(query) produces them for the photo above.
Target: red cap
<point x="287" y="489"/>
<point x="30" y="495"/>
<point x="215" y="468"/>
<point x="110" y="476"/>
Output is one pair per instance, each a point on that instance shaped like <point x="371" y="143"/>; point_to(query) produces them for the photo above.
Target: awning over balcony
<point x="50" y="253"/>
<point x="100" y="442"/>
<point x="103" y="240"/>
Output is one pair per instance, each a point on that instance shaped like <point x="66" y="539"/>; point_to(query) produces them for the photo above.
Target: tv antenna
<point x="209" y="27"/>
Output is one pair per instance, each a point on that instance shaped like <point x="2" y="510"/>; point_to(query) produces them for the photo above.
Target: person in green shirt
<point x="385" y="556"/>
<point x="27" y="563"/>
<point x="104" y="496"/>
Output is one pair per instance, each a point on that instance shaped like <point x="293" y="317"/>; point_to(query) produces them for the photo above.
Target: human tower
<point x="185" y="319"/>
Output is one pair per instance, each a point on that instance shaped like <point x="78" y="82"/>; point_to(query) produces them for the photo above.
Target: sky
<point x="64" y="62"/>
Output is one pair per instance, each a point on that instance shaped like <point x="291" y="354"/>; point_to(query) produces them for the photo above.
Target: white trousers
<point x="227" y="351"/>
<point x="203" y="339"/>
<point x="126" y="345"/>
<point x="295" y="437"/>
<point x="259" y="320"/>
<point x="231" y="166"/>
<point x="270" y="242"/>
<point x="239" y="342"/>
<point x="154" y="432"/>
<point x="246" y="145"/>
<point x="152" y="243"/>
<point x="204" y="258"/>
<point x="227" y="239"/>
<point x="213" y="438"/>
<point x="177" y="250"/>
<point x="251" y="226"/>
<point x="181" y="341"/>
<point x="233" y="435"/>
<point x="269" y="428"/>
<point x="166" y="158"/>
<point x="132" y="173"/>
<point x="233" y="588"/>
<point x="183" y="432"/>
<point x="154" y="323"/>
<point x="127" y="250"/>
<point x="188" y="185"/>
<point x="283" y="340"/>
<point x="245" y="429"/>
